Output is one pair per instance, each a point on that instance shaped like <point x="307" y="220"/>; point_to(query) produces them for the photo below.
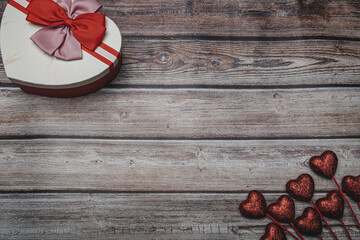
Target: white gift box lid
<point x="26" y="64"/>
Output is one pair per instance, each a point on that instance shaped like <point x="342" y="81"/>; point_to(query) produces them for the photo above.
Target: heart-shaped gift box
<point x="38" y="72"/>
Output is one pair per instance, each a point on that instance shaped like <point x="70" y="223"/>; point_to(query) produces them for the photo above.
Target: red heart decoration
<point x="351" y="186"/>
<point x="283" y="210"/>
<point x="273" y="232"/>
<point x="332" y="205"/>
<point x="324" y="165"/>
<point x="254" y="206"/>
<point x="302" y="188"/>
<point x="309" y="223"/>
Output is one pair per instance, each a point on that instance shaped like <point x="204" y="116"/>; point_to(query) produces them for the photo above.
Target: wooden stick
<point x="357" y="221"/>
<point x="297" y="231"/>
<point x="282" y="226"/>
<point x="347" y="232"/>
<point x="324" y="219"/>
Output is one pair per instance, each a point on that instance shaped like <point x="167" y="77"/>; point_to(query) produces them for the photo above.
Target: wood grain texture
<point x="184" y="113"/>
<point x="125" y="165"/>
<point x="221" y="63"/>
<point x="173" y="145"/>
<point x="176" y="63"/>
<point x="226" y="18"/>
<point x="136" y="216"/>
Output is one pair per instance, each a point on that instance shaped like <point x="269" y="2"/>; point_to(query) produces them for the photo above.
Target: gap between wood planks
<point x="91" y="191"/>
<point x="238" y="39"/>
<point x="214" y="87"/>
<point x="66" y="137"/>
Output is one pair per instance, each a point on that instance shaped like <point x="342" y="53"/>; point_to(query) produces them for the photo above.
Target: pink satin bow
<point x="58" y="39"/>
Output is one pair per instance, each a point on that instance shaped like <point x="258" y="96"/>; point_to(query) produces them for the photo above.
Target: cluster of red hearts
<point x="302" y="189"/>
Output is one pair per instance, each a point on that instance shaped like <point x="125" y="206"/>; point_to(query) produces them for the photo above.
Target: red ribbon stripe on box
<point x="93" y="46"/>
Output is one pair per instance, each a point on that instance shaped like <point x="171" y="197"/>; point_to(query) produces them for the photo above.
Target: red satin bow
<point x="89" y="28"/>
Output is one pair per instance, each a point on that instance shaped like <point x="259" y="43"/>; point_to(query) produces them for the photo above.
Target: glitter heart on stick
<point x="303" y="189"/>
<point x="309" y="223"/>
<point x="325" y="166"/>
<point x="283" y="210"/>
<point x="332" y="206"/>
<point x="273" y="232"/>
<point x="351" y="186"/>
<point x="254" y="207"/>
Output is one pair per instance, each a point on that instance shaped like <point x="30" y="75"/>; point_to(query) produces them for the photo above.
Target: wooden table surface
<point x="215" y="98"/>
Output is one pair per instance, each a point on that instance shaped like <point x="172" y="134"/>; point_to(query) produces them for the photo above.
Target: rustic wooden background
<point x="215" y="98"/>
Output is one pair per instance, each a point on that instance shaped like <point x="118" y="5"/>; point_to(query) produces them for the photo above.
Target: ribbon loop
<point x="87" y="28"/>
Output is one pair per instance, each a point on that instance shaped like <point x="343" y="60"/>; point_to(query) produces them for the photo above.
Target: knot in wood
<point x="164" y="57"/>
<point x="215" y="63"/>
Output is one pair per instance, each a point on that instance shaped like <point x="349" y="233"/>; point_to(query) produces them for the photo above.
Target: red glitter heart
<point x="351" y="186"/>
<point x="302" y="188"/>
<point x="254" y="206"/>
<point x="273" y="232"/>
<point x="309" y="223"/>
<point x="332" y="205"/>
<point x="325" y="165"/>
<point x="283" y="210"/>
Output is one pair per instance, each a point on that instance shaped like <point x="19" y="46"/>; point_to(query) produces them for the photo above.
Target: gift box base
<point x="76" y="91"/>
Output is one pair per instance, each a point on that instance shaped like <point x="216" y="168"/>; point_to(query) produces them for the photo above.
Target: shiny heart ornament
<point x="351" y="186"/>
<point x="309" y="223"/>
<point x="324" y="165"/>
<point x="283" y="210"/>
<point x="332" y="205"/>
<point x="254" y="206"/>
<point x="273" y="232"/>
<point x="37" y="72"/>
<point x="302" y="188"/>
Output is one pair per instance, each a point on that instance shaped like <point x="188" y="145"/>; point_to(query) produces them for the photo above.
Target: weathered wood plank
<point x="135" y="216"/>
<point x="123" y="165"/>
<point x="185" y="113"/>
<point x="227" y="63"/>
<point x="255" y="18"/>
<point x="234" y="64"/>
<point x="219" y="63"/>
<point x="253" y="233"/>
<point x="226" y="18"/>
